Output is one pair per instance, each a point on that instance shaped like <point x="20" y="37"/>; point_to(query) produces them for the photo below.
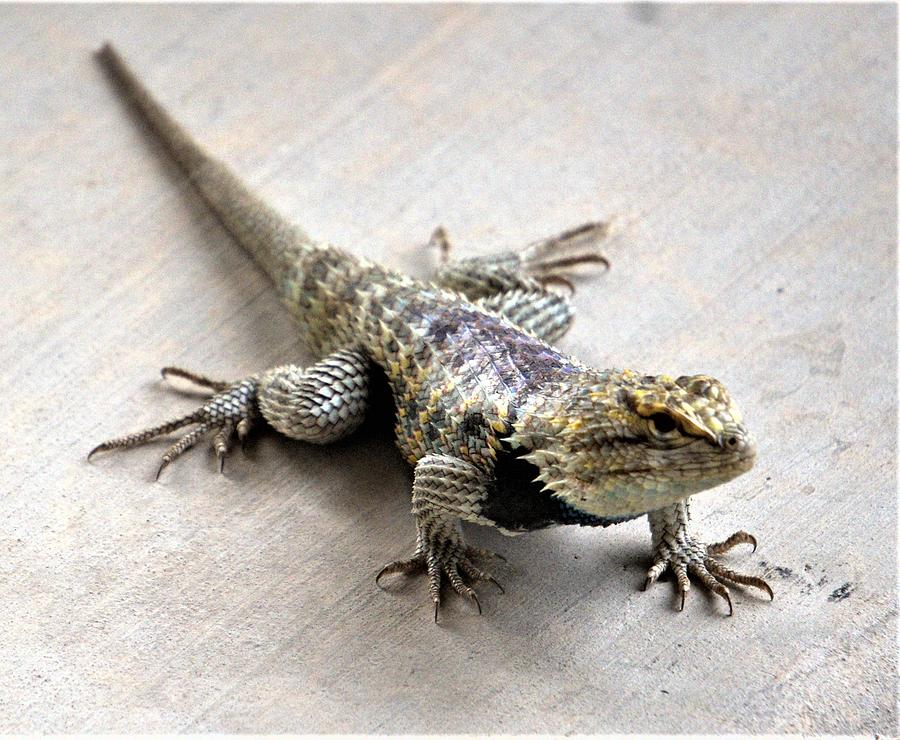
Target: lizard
<point x="502" y="428"/>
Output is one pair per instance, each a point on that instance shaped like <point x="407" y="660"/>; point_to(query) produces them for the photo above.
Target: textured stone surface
<point x="750" y="152"/>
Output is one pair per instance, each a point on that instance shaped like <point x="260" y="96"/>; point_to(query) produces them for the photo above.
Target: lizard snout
<point x="740" y="442"/>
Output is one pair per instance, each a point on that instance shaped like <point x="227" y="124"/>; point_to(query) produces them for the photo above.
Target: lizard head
<point x="616" y="443"/>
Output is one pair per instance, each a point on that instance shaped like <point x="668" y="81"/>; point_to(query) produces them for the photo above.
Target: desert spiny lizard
<point x="502" y="428"/>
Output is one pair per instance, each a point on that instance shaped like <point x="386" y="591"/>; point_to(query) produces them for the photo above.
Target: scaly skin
<point x="503" y="429"/>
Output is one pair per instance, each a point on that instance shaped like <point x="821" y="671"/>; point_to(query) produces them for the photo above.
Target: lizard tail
<point x="273" y="241"/>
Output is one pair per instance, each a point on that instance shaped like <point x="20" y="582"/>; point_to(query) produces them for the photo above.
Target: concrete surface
<point x="751" y="152"/>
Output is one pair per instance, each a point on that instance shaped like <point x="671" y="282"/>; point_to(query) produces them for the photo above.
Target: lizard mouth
<point x="687" y="478"/>
<point x="737" y="463"/>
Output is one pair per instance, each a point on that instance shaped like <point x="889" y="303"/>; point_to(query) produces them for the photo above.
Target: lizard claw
<point x="474" y="597"/>
<point x="231" y="409"/>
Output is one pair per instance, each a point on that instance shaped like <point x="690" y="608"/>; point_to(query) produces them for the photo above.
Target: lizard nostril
<point x="732" y="442"/>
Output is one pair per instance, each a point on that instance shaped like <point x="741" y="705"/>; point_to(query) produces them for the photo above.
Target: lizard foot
<point x="541" y="264"/>
<point x="551" y="260"/>
<point x="685" y="555"/>
<point x="231" y="410"/>
<point x="439" y="563"/>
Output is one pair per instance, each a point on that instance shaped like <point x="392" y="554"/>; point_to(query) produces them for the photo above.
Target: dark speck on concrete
<point x="778" y="569"/>
<point x="841" y="592"/>
<point x="840" y="446"/>
<point x="645" y="12"/>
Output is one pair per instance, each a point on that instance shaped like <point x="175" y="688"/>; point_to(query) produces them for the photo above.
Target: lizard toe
<point x="406" y="567"/>
<point x="231" y="409"/>
<point x="727" y="575"/>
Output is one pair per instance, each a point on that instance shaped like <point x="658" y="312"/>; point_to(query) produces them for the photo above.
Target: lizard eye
<point x="662" y="424"/>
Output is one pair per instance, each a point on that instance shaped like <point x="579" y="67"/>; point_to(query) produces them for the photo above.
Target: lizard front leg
<point x="674" y="548"/>
<point x="446" y="490"/>
<point x="319" y="404"/>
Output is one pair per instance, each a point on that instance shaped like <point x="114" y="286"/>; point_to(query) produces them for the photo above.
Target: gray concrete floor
<point x="750" y="153"/>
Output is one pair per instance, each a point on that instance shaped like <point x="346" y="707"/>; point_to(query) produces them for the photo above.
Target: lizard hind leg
<point x="318" y="404"/>
<point x="446" y="490"/>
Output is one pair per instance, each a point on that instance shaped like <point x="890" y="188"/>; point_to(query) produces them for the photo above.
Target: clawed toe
<point x="199" y="382"/>
<point x="738" y="538"/>
<point x="723" y="573"/>
<point x="407" y="567"/>
<point x="474" y="596"/>
<point x="699" y="570"/>
<point x="476" y="574"/>
<point x="181" y="446"/>
<point x="221" y="443"/>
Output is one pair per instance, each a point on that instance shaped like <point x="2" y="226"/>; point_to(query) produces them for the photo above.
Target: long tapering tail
<point x="272" y="240"/>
